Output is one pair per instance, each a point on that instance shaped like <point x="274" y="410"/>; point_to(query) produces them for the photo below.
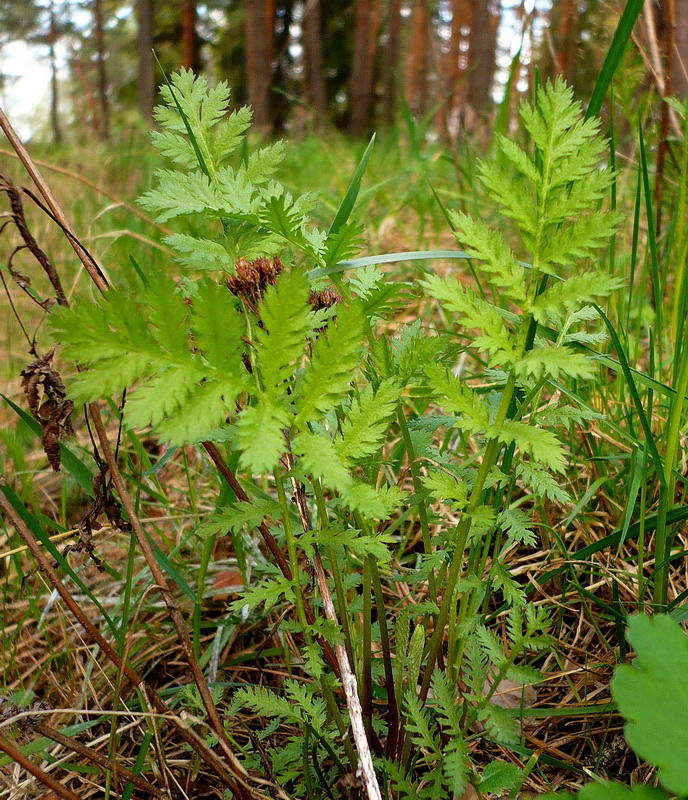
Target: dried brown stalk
<point x="191" y="738"/>
<point x="97" y="758"/>
<point x="90" y="263"/>
<point x="14" y="195"/>
<point x="98" y="189"/>
<point x="96" y="273"/>
<point x="10" y="749"/>
<point x="165" y="591"/>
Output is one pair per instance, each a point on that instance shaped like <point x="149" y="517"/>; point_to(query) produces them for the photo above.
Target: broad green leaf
<point x="652" y="694"/>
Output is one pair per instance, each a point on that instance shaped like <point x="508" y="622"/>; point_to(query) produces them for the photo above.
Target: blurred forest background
<point x="352" y="64"/>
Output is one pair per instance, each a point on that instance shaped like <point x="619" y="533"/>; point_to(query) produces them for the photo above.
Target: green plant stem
<point x="461" y="535"/>
<point x="418" y="489"/>
<point x="678" y="309"/>
<point x="667" y="489"/>
<point x="392" y="709"/>
<point x="336" y="572"/>
<point x="411" y="455"/>
<point x="641" y="548"/>
<point x="332" y="706"/>
<point x="367" y="655"/>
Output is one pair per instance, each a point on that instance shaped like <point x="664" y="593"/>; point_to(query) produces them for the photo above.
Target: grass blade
<point x="614" y="55"/>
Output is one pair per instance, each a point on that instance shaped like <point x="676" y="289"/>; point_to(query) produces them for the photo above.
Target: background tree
<point x="260" y="33"/>
<point x="483" y="43"/>
<point x="314" y="64"/>
<point x="103" y="99"/>
<point x="189" y="36"/>
<point x="366" y="29"/>
<point x="418" y="58"/>
<point x="145" y="15"/>
<point x="680" y="56"/>
<point x="390" y="63"/>
<point x="341" y="57"/>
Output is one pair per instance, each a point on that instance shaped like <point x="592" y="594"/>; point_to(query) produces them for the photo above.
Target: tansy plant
<point x="345" y="438"/>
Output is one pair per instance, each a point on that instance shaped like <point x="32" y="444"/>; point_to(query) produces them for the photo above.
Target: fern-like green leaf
<point x="328" y="376"/>
<point x="280" y="342"/>
<point x="365" y="423"/>
<point x="260" y="435"/>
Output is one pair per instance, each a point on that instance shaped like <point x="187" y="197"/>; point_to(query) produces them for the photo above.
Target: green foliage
<point x="336" y="354"/>
<point x="552" y="192"/>
<point x="187" y="361"/>
<point x="312" y="409"/>
<point x="366" y="422"/>
<point x="253" y="214"/>
<point x="499" y="776"/>
<point x="652" y="695"/>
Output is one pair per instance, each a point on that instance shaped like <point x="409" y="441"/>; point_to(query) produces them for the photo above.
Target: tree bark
<point x="566" y="39"/>
<point x="482" y="46"/>
<point x="366" y="29"/>
<point x="316" y="91"/>
<point x="189" y="38"/>
<point x="390" y="78"/>
<point x="259" y="46"/>
<point x="456" y="62"/>
<point x="103" y="100"/>
<point x="418" y="59"/>
<point x="145" y="13"/>
<point x="54" y="90"/>
<point x="680" y="56"/>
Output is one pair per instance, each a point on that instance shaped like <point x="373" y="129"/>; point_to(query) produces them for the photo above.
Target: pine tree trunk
<point x="418" y="59"/>
<point x="680" y="59"/>
<point x="482" y="46"/>
<point x="189" y="38"/>
<point x="259" y="46"/>
<point x="566" y="39"/>
<point x="103" y="101"/>
<point x="278" y="39"/>
<point x="390" y="80"/>
<point x="366" y="29"/>
<point x="316" y="91"/>
<point x="145" y="15"/>
<point x="54" y="90"/>
<point x="452" y="66"/>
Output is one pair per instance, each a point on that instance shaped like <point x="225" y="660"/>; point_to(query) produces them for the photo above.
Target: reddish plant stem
<point x="10" y="749"/>
<point x="96" y="757"/>
<point x="271" y="544"/>
<point x="237" y="488"/>
<point x="47" y="569"/>
<point x="165" y="591"/>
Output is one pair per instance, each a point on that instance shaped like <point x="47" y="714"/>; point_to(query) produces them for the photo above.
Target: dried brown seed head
<point x="47" y="398"/>
<point x="252" y="279"/>
<point x="324" y="299"/>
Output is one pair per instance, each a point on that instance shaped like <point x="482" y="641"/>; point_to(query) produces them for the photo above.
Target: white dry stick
<point x="351" y="691"/>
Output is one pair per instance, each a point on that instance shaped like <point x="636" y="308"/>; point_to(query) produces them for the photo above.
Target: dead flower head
<point x="252" y="279"/>
<point x="324" y="299"/>
<point x="47" y="398"/>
